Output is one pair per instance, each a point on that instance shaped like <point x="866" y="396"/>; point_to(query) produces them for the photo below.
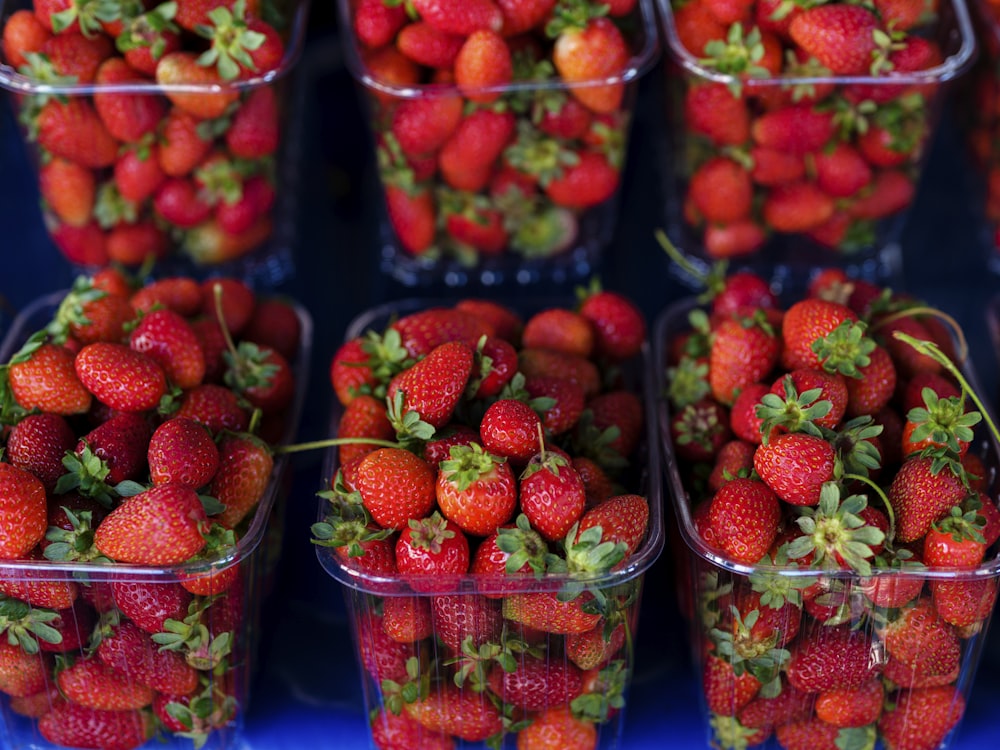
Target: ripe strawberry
<point x="255" y="132"/>
<point x="614" y="410"/>
<point x="523" y="15"/>
<point x="433" y="386"/>
<point x="22" y="33"/>
<point x="91" y="683"/>
<point x="423" y="124"/>
<point x="120" y="443"/>
<point x="795" y="466"/>
<point x="594" y="648"/>
<point x="721" y="191"/>
<point x="744" y="516"/>
<point x="150" y="605"/>
<point x="407" y="619"/>
<point x="375" y="23"/>
<point x="796" y="129"/>
<point x="840" y="36"/>
<point x="181" y="145"/>
<point x="245" y="468"/>
<point x="552" y="494"/>
<point x="119" y="377"/>
<point x="592" y="180"/>
<point x="37" y="445"/>
<point x="71" y="54"/>
<point x="462" y="713"/>
<point x="772" y="166"/>
<point x="851" y="708"/>
<point x="964" y="603"/>
<point x="73" y="130"/>
<point x="168" y="339"/>
<point x="920" y="497"/>
<point x="797" y="207"/>
<point x="568" y="401"/>
<point x="832" y="658"/>
<point x="537" y="684"/>
<point x="364" y="417"/>
<point x="922" y="718"/>
<point x="71" y="725"/>
<point x="544" y="611"/>
<point x="396" y="486"/>
<point x="261" y="376"/>
<point x="712" y="110"/>
<point x="392" y="732"/>
<point x="560" y="329"/>
<point x="477" y="142"/>
<point x="413" y="217"/>
<point x="21" y="674"/>
<point x="68" y="190"/>
<point x="842" y="171"/>
<point x="483" y="66"/>
<point x="178" y="201"/>
<point x="429" y="46"/>
<point x="461" y="17"/>
<point x="510" y="428"/>
<point x="145" y="38"/>
<point x="134" y="244"/>
<point x="180" y="294"/>
<point x="475" y="490"/>
<point x="214" y="406"/>
<point x="32" y="586"/>
<point x="463" y="616"/>
<point x="23" y="511"/>
<point x="434" y="551"/>
<point x="557" y="728"/>
<point x="808" y="734"/>
<point x="502" y="321"/>
<point x="494" y="366"/>
<point x="891" y="190"/>
<point x="733" y="459"/>
<point x="726" y="692"/>
<point x="789" y="706"/>
<point x="623" y="519"/>
<point x="129" y="650"/>
<point x="182" y="451"/>
<point x="128" y="116"/>
<point x="744" y="350"/>
<point x="595" y="51"/>
<point x="422" y="331"/>
<point x="921" y="645"/>
<point x="619" y="325"/>
<point x="182" y="67"/>
<point x="543" y="362"/>
<point x="804" y="323"/>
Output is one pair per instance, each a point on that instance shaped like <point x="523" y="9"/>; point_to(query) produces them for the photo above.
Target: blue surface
<point x="306" y="694"/>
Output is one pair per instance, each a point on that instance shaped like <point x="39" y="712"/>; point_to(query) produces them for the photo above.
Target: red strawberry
<point x="475" y="490"/>
<point x="560" y="329"/>
<point x="432" y="549"/>
<point x="84" y="245"/>
<point x="434" y="385"/>
<point x="483" y="65"/>
<point x="465" y="714"/>
<point x="544" y="611"/>
<point x="808" y="734"/>
<point x="147" y="37"/>
<point x="922" y="644"/>
<point x="832" y="658"/>
<point x="619" y="325"/>
<point x="721" y="191"/>
<point x="72" y="129"/>
<point x="179" y="293"/>
<point x="461" y="17"/>
<point x="510" y="428"/>
<point x="244" y="473"/>
<point x="921" y="719"/>
<point x="733" y="459"/>
<point x="134" y="244"/>
<point x="120" y="377"/>
<point x="593" y="52"/>
<point x="797" y="207"/>
<point x="178" y="201"/>
<point x="73" y="54"/>
<point x="726" y="692"/>
<point x="622" y="519"/>
<point x="552" y="494"/>
<point x="537" y="684"/>
<point x="804" y="323"/>
<point x="796" y="129"/>
<point x="407" y="619"/>
<point x="254" y="132"/>
<point x="743" y="517"/>
<point x="502" y="321"/>
<point x="129" y="650"/>
<point x="71" y="725"/>
<point x="422" y="125"/>
<point x="68" y="189"/>
<point x="22" y="32"/>
<point x="394" y="732"/>
<point x="396" y="486"/>
<point x="744" y="350"/>
<point x="422" y="331"/>
<point x="920" y="497"/>
<point x="23" y="511"/>
<point x="376" y="24"/>
<point x="161" y="526"/>
<point x="795" y="466"/>
<point x="364" y="417"/>
<point x="891" y="190"/>
<point x="543" y="362"/>
<point x="38" y="443"/>
<point x="32" y="586"/>
<point x="429" y="46"/>
<point x="413" y="217"/>
<point x="464" y="616"/>
<point x="839" y="35"/>
<point x="215" y="406"/>
<point x="556" y="728"/>
<point x="773" y="166"/>
<point x="90" y="682"/>
<point x="150" y="605"/>
<point x="182" y="67"/>
<point x="964" y="603"/>
<point x="841" y="171"/>
<point x="495" y="366"/>
<point x="128" y="116"/>
<point x="182" y="451"/>
<point x="592" y="180"/>
<point x="120" y="442"/>
<point x="712" y="110"/>
<point x="21" y="674"/>
<point x="168" y="339"/>
<point x="181" y="147"/>
<point x="568" y="400"/>
<point x="523" y="15"/>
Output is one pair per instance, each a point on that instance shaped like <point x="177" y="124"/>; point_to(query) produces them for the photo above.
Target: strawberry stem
<point x="331" y="442"/>
<point x="230" y="344"/>
<point x="963" y="347"/>
<point x="676" y="256"/>
<point x="885" y="501"/>
<point x="931" y="350"/>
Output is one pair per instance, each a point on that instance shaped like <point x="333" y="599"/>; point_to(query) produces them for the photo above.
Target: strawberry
<point x="21" y="674"/>
<point x="842" y="171"/>
<point x="412" y="215"/>
<point x="68" y="189"/>
<point x="120" y="377"/>
<point x="407" y="619"/>
<point x="510" y="428"/>
<point x="214" y="406"/>
<point x="33" y="587"/>
<point x="37" y="445"/>
<point x="733" y="459"/>
<point x="429" y="46"/>
<point x="537" y="684"/>
<point x="168" y="339"/>
<point x="832" y="658"/>
<point x="590" y="181"/>
<point x="595" y="648"/>
<point x="502" y="321"/>
<point x="851" y="708"/>
<point x="363" y="417"/>
<point x="181" y="145"/>
<point x="129" y="650"/>
<point x="744" y="350"/>
<point x="592" y="52"/>
<point x="182" y="451"/>
<point x="720" y="190"/>
<point x="392" y="732"/>
<point x="839" y="35"/>
<point x="568" y="401"/>
<point x="795" y="466"/>
<point x="383" y="658"/>
<point x="72" y="725"/>
<point x="376" y="24"/>
<point x="964" y="603"/>
<point x="544" y="611"/>
<point x="797" y="207"/>
<point x="182" y="67"/>
<point x="73" y="130"/>
<point x="557" y="728"/>
<point x="495" y="366"/>
<point x="921" y="645"/>
<point x="434" y="549"/>
<point x="128" y="116"/>
<point x="422" y="331"/>
<point x="462" y="713"/>
<point x="254" y="132"/>
<point x="150" y="605"/>
<point x="72" y="54"/>
<point x="743" y="517"/>
<point x="552" y="494"/>
<point x="476" y="142"/>
<point x="890" y="191"/>
<point x="789" y="706"/>
<point x="423" y="124"/>
<point x="22" y="32"/>
<point x="711" y="109"/>
<point x="796" y="129"/>
<point x="806" y="322"/>
<point x="261" y="376"/>
<point x="921" y="496"/>
<point x="462" y="17"/>
<point x="559" y="329"/>
<point x="433" y="386"/>
<point x="772" y="166"/>
<point x="147" y="37"/>
<point x="475" y="490"/>
<point x="120" y="443"/>
<point x="459" y="617"/>
<point x="396" y="486"/>
<point x="482" y="65"/>
<point x="91" y="683"/>
<point x="180" y="294"/>
<point x="178" y="201"/>
<point x="243" y="475"/>
<point x="808" y="734"/>
<point x="544" y="362"/>
<point x="619" y="325"/>
<point x="22" y="511"/>
<point x="614" y="410"/>
<point x="921" y="718"/>
<point x="135" y="244"/>
<point x="623" y="519"/>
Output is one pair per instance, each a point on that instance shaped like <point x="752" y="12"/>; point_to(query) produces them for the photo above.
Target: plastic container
<point x="818" y="609"/>
<point x="459" y="191"/>
<point x="199" y="174"/>
<point x="819" y="169"/>
<point x="456" y="627"/>
<point x="220" y="634"/>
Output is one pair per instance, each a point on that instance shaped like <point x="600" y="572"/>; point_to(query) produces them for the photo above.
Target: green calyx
<point x="696" y="425"/>
<point x="147" y="30"/>
<point x="232" y="41"/>
<point x="795" y="412"/>
<point x="607" y="695"/>
<point x="569" y="15"/>
<point x="430" y="533"/>
<point x="943" y="421"/>
<point x="415" y="688"/>
<point x="846" y="349"/>
<point x="71" y="309"/>
<point x="25" y="625"/>
<point x="762" y="659"/>
<point x="539" y="155"/>
<point x="739" y="54"/>
<point x="76" y="544"/>
<point x="835" y="534"/>
<point x="467" y="464"/>
<point x="964" y="523"/>
<point x="856" y="452"/>
<point x="524" y="546"/>
<point x="86" y="473"/>
<point x="687" y="382"/>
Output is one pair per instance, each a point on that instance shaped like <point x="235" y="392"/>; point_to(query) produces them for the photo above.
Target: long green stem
<point x="885" y="501"/>
<point x="931" y="349"/>
<point x="963" y="346"/>
<point x="677" y="257"/>
<point x="331" y="442"/>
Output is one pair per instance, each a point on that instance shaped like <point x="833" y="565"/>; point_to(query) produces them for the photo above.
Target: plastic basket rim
<point x="42" y="569"/>
<point x="685" y="523"/>
<point x="952" y="66"/>
<point x="19" y="83"/>
<point x="638" y="65"/>
<point x="470" y="583"/>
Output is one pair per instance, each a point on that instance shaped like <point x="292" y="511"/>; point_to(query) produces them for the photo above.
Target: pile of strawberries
<point x="491" y="135"/>
<point x="825" y="159"/>
<point x="129" y="168"/>
<point x="136" y="452"/>
<point x="834" y="456"/>
<point x="483" y="512"/>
